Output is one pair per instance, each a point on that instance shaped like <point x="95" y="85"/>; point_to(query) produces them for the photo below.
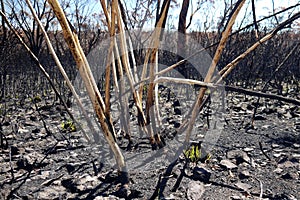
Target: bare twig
<point x="261" y="94"/>
<point x="48" y="152"/>
<point x="261" y="189"/>
<point x="263" y="152"/>
<point x="254" y="19"/>
<point x="11" y="167"/>
<point x="264" y="18"/>
<point x="228" y="68"/>
<point x="184" y="81"/>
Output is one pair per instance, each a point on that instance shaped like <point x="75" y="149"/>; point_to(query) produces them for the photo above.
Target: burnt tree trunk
<point x="181" y="39"/>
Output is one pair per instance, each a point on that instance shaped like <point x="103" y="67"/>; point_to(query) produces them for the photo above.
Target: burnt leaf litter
<point x="43" y="156"/>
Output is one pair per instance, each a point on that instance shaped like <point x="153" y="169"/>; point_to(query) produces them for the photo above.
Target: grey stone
<point x="277" y="155"/>
<point x="248" y="149"/>
<point x="296" y="156"/>
<point x="236" y="197"/>
<point x="275" y="145"/>
<point x="260" y="117"/>
<point x="239" y="155"/>
<point x="22" y="130"/>
<point x="110" y="197"/>
<point x="243" y="186"/>
<point x="244" y="174"/>
<point x="287" y="164"/>
<point x="251" y="131"/>
<point x="228" y="164"/>
<point x="195" y="190"/>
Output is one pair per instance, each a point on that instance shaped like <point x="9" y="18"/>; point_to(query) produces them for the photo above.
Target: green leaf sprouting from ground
<point x="193" y="154"/>
<point x="68" y="126"/>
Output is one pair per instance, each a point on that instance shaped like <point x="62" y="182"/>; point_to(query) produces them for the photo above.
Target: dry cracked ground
<point x="40" y="161"/>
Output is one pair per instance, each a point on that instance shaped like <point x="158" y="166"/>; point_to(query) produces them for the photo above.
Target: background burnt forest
<point x="43" y="154"/>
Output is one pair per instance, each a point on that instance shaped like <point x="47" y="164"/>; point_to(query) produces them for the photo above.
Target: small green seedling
<point x="68" y="126"/>
<point x="193" y="154"/>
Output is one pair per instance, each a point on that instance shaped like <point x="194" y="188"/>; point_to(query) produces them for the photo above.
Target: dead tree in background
<point x="181" y="38"/>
